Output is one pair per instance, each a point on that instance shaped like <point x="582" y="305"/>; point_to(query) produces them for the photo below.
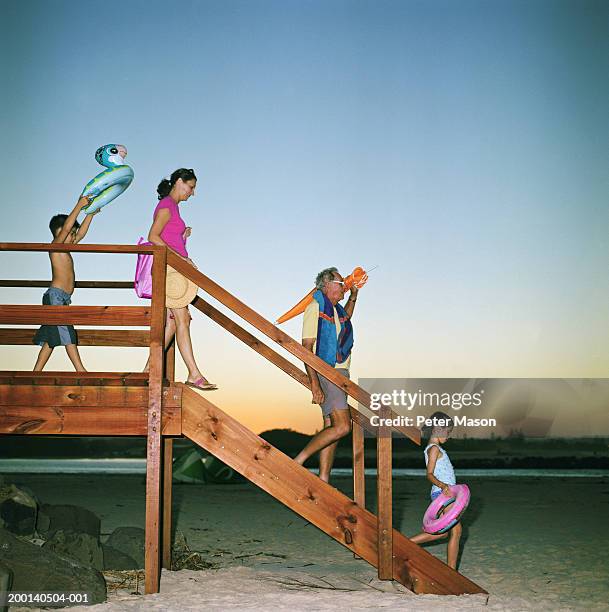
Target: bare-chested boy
<point x="65" y="230"/>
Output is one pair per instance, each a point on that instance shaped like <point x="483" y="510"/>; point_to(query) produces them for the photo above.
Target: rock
<point x="6" y="581"/>
<point x="53" y="517"/>
<point x="42" y="570"/>
<point x="18" y="510"/>
<point x="129" y="540"/>
<point x="80" y="546"/>
<point x="18" y="518"/>
<point x="117" y="560"/>
<point x="30" y="493"/>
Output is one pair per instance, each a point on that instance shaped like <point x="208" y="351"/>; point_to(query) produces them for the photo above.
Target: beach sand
<point x="532" y="543"/>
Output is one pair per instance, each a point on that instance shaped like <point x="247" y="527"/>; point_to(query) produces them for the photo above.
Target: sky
<point x="460" y="146"/>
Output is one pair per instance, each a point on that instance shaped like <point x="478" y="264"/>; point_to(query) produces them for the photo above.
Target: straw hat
<point x="179" y="290"/>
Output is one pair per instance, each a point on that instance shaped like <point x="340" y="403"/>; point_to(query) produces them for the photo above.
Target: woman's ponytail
<point x="164" y="188"/>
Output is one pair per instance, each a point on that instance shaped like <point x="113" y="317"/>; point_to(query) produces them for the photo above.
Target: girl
<point x="441" y="474"/>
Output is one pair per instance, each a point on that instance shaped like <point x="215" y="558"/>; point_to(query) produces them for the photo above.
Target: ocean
<point x="138" y="466"/>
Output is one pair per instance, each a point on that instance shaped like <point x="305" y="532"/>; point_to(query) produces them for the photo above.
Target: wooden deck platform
<point x="83" y="404"/>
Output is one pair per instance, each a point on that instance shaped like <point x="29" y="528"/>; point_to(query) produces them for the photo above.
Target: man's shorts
<point x="334" y="397"/>
<point x="56" y="335"/>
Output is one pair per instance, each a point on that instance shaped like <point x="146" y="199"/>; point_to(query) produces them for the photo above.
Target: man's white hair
<point x="324" y="277"/>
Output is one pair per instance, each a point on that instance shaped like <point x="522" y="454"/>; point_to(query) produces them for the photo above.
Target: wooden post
<point x="170" y="364"/>
<point x="359" y="482"/>
<point x="384" y="499"/>
<point x="167" y="497"/>
<point x="155" y="389"/>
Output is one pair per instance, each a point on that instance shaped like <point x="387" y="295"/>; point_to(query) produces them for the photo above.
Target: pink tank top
<point x="174" y="229"/>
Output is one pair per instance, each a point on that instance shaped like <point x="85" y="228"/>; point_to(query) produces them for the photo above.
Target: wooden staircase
<point x="316" y="501"/>
<point x="152" y="405"/>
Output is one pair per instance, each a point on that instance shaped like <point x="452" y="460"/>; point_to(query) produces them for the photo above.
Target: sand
<point x="532" y="543"/>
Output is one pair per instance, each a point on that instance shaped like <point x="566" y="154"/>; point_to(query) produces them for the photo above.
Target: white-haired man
<point x="327" y="332"/>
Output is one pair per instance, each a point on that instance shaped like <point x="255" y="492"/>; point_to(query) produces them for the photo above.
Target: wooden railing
<point x="86" y="337"/>
<point x="84" y="315"/>
<point x="153" y="317"/>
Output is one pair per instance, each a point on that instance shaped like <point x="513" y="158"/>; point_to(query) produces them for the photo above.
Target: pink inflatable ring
<point x="434" y="522"/>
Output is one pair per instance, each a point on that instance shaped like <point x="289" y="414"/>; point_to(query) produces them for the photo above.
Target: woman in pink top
<point x="168" y="229"/>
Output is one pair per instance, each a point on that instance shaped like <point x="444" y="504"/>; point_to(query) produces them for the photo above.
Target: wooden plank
<point x="77" y="284"/>
<point x="70" y="315"/>
<point x="103" y="379"/>
<point x="84" y="420"/>
<point x="79" y="395"/>
<point x="316" y="501"/>
<point x="152" y="553"/>
<point x="86" y="337"/>
<point x="76" y="248"/>
<point x="384" y="510"/>
<point x="275" y="358"/>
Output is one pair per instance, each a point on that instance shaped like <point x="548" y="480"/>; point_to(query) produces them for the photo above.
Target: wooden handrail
<point x="271" y="355"/>
<point x="359" y="420"/>
<point x="280" y="337"/>
<point x="72" y="315"/>
<point x="77" y="248"/>
<point x="77" y="284"/>
<point x="13" y="336"/>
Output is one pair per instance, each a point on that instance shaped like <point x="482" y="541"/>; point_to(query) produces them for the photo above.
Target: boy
<point x="65" y="230"/>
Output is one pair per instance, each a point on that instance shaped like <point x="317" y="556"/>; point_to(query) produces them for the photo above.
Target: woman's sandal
<point x="202" y="386"/>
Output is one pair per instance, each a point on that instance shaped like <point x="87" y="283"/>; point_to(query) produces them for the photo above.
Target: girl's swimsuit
<point x="443" y="470"/>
